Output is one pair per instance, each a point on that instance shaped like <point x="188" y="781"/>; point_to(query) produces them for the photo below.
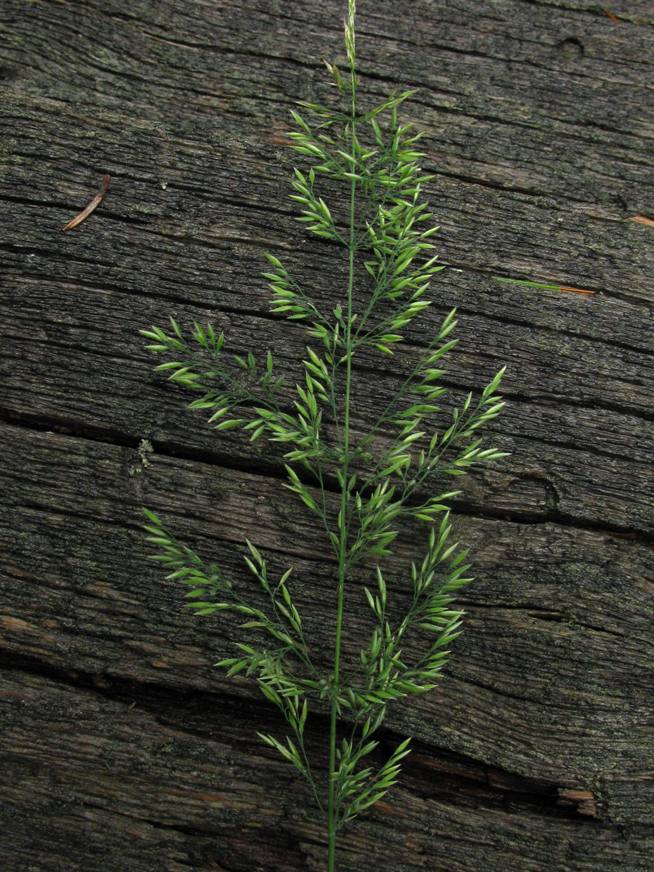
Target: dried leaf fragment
<point x="544" y="286"/>
<point x="583" y="291"/>
<point x="92" y="206"/>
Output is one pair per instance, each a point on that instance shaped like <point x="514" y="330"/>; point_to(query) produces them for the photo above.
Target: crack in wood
<point x="207" y="716"/>
<point x="259" y="466"/>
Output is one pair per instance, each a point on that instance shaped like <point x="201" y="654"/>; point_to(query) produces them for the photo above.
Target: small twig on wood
<point x="642" y="219"/>
<point x="93" y="205"/>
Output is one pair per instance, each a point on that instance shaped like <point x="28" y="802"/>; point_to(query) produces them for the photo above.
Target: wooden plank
<point x="554" y="363"/>
<point x="539" y="153"/>
<point x="580" y="453"/>
<point x="551" y="679"/>
<point x="139" y="785"/>
<point x="493" y="229"/>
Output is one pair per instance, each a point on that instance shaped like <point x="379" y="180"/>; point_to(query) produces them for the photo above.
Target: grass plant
<point x="382" y="230"/>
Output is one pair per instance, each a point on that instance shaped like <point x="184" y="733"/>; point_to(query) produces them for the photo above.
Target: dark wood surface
<point x="121" y="748"/>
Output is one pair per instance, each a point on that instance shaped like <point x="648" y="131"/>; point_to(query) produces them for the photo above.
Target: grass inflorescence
<point x="384" y="228"/>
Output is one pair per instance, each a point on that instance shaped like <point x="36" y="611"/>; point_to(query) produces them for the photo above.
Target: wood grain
<point x="122" y="748"/>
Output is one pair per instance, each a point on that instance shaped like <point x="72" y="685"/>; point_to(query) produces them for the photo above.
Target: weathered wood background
<point x="122" y="749"/>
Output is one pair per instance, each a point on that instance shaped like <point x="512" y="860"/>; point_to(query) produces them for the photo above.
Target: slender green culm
<point x="359" y="485"/>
